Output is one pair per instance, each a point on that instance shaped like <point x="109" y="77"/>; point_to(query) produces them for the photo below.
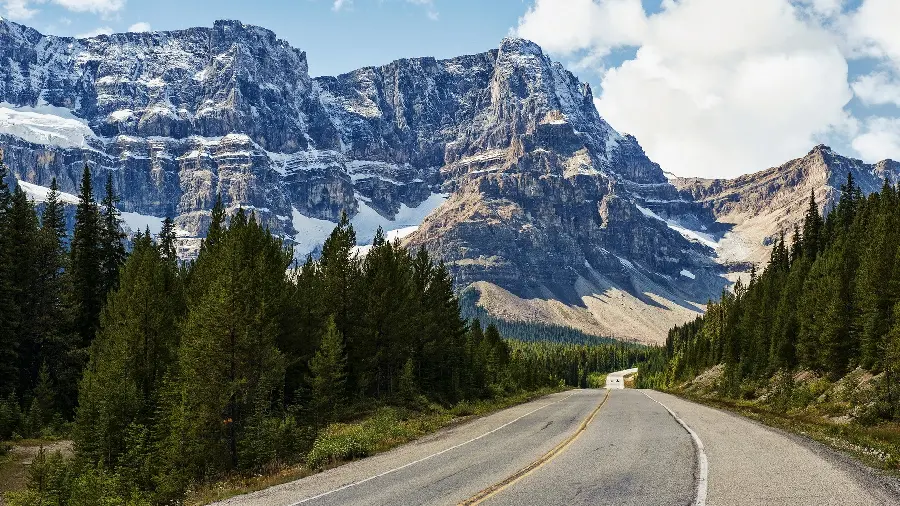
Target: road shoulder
<point x="752" y="463"/>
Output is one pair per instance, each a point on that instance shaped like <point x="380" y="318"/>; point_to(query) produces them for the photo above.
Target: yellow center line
<point x="537" y="464"/>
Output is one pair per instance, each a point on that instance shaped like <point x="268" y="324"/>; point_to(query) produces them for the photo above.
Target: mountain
<point x="759" y="207"/>
<point x="498" y="163"/>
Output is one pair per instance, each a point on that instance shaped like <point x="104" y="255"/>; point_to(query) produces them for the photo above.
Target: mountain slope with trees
<point x="827" y="306"/>
<point x="170" y="375"/>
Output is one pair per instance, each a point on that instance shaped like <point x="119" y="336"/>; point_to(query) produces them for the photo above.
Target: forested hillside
<point x="527" y="331"/>
<point x="827" y="303"/>
<point x="168" y="375"/>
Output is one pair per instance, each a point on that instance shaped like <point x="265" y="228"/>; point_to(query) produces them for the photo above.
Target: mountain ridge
<point x="498" y="163"/>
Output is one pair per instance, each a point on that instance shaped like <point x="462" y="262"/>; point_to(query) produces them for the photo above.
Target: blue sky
<point x="361" y="33"/>
<point x="358" y="34"/>
<point x="718" y="88"/>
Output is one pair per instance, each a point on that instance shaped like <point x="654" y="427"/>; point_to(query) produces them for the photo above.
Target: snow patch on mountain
<point x="367" y="221"/>
<point x="136" y="222"/>
<point x="703" y="238"/>
<point x="39" y="193"/>
<point x="45" y="124"/>
<point x="389" y="236"/>
<point x="312" y="232"/>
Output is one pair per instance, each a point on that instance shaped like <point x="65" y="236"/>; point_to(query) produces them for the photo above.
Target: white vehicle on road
<point x="616" y="380"/>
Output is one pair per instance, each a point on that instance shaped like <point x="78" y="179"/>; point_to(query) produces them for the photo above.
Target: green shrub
<point x="596" y="380"/>
<point x="388" y="426"/>
<point x="57" y="481"/>
<point x="339" y="442"/>
<point x="10" y="417"/>
<point x="463" y="408"/>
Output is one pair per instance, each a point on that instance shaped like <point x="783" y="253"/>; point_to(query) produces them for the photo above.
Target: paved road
<point x="633" y="453"/>
<point x="447" y="467"/>
<point x="750" y="464"/>
<point x="639" y="448"/>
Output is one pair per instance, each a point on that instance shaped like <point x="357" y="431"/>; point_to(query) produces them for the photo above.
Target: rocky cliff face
<point x="758" y="207"/>
<point x="497" y="162"/>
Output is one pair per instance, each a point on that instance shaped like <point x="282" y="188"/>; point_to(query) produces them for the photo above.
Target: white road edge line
<point x="703" y="463"/>
<point x="423" y="459"/>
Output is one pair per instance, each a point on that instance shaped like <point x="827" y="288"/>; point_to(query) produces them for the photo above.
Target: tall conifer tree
<point x="86" y="264"/>
<point x="112" y="246"/>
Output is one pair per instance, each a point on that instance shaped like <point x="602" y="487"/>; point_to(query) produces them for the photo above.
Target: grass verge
<point x="386" y="428"/>
<point x="877" y="446"/>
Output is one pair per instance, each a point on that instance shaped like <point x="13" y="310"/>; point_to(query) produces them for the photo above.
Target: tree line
<point x="167" y="374"/>
<point x="52" y="288"/>
<point x="827" y="301"/>
<point x="528" y="331"/>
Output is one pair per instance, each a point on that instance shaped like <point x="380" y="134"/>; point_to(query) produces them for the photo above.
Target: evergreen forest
<point x="828" y="302"/>
<point x="169" y="374"/>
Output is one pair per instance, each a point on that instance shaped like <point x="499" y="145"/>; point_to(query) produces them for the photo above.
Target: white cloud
<point x="877" y="88"/>
<point x="872" y="30"/>
<point x="340" y="4"/>
<point x="18" y="10"/>
<point x="22" y="10"/>
<point x="826" y="8"/>
<point x="103" y="30"/>
<point x="140" y="27"/>
<point x="880" y="140"/>
<point x="104" y="7"/>
<point x="566" y="26"/>
<point x="719" y="88"/>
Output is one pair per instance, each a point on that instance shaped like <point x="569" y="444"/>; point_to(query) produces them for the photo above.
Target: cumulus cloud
<point x="142" y="26"/>
<point x="872" y="30"/>
<point x="104" y="7"/>
<point x="880" y="139"/>
<point x="716" y="88"/>
<point x="722" y="88"/>
<point x="22" y="10"/>
<point x="18" y="10"/>
<point x="566" y="26"/>
<point x="877" y="88"/>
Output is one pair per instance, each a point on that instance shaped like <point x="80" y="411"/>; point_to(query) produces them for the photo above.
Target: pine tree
<point x="24" y="278"/>
<point x="408" y="387"/>
<point x="229" y="370"/>
<point x="132" y="353"/>
<point x="307" y="320"/>
<point x="445" y="357"/>
<point x="86" y="269"/>
<point x="112" y="247"/>
<point x="496" y="353"/>
<point x="53" y="294"/>
<point x="341" y="296"/>
<point x="8" y="317"/>
<point x="890" y="350"/>
<point x="476" y="361"/>
<point x="167" y="238"/>
<point x="390" y="313"/>
<point x="812" y="229"/>
<point x="216" y="225"/>
<point x="328" y="376"/>
<point x="796" y="245"/>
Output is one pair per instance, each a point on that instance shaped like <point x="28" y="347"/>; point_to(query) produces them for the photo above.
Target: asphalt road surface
<point x="638" y="448"/>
